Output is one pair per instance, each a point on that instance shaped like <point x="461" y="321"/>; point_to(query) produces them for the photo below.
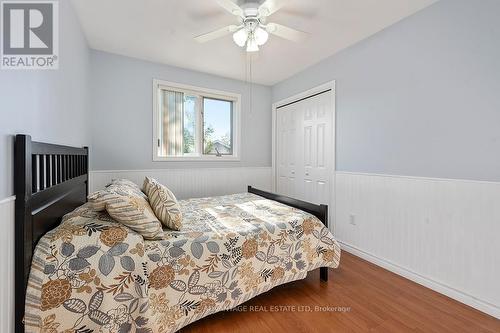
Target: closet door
<point x="286" y="149"/>
<point x="305" y="149"/>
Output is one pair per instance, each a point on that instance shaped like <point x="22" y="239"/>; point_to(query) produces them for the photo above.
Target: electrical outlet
<point x="352" y="219"/>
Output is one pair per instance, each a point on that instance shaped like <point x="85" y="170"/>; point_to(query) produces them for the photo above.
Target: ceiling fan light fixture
<point x="264" y="11"/>
<point x="271" y="27"/>
<point x="252" y="29"/>
<point x="240" y="37"/>
<point x="252" y="45"/>
<point x="261" y="36"/>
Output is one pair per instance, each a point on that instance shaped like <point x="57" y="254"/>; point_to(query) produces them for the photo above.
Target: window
<point x="193" y="123"/>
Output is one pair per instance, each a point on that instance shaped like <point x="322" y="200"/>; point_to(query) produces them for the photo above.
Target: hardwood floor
<point x="373" y="300"/>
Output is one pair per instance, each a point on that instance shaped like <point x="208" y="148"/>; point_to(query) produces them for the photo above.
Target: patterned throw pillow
<point x="124" y="187"/>
<point x="127" y="183"/>
<point x="97" y="200"/>
<point x="164" y="204"/>
<point x="126" y="206"/>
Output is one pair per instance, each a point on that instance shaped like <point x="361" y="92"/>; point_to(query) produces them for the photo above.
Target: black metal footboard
<point x="320" y="211"/>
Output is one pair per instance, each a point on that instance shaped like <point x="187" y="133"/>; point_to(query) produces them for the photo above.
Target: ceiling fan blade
<point x="270" y="6"/>
<point x="230" y="7"/>
<point x="286" y="32"/>
<point x="216" y="34"/>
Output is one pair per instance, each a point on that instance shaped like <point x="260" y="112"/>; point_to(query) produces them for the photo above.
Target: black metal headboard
<point x="49" y="182"/>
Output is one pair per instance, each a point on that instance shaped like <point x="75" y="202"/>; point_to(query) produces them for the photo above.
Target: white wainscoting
<point x="190" y="183"/>
<point x="7" y="260"/>
<point x="441" y="233"/>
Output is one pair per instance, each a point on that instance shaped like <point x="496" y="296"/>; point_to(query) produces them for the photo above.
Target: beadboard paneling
<point x="438" y="232"/>
<point x="7" y="260"/>
<point x="191" y="183"/>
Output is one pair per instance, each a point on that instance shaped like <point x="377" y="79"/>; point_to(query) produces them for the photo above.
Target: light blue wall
<point x="122" y="108"/>
<point x="45" y="103"/>
<point x="420" y="98"/>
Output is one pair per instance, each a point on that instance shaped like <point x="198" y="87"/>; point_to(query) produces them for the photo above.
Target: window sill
<point x="196" y="159"/>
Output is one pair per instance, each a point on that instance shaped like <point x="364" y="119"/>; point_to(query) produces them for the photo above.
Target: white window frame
<point x="196" y="91"/>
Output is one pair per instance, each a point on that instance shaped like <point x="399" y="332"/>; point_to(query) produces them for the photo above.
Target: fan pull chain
<point x="251" y="84"/>
<point x="249" y="79"/>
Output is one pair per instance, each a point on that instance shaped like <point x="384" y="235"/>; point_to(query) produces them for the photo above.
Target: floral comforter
<point x="92" y="274"/>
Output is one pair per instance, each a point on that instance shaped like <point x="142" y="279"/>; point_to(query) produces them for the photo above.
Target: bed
<point x="89" y="273"/>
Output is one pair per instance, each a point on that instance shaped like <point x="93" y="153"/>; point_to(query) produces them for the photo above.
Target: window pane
<point x="177" y="124"/>
<point x="217" y="127"/>
<point x="189" y="125"/>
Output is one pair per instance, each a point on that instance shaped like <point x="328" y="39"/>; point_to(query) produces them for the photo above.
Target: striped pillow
<point x="124" y="205"/>
<point x="164" y="204"/>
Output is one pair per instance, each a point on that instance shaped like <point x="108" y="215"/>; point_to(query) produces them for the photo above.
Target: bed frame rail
<point x="320" y="211"/>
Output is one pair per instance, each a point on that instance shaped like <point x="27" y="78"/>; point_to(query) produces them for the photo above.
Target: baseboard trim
<point x="439" y="287"/>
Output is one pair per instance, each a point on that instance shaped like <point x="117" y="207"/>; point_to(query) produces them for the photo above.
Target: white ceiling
<point x="163" y="30"/>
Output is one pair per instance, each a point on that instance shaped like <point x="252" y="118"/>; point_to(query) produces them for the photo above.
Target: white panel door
<point x="287" y="154"/>
<point x="305" y="149"/>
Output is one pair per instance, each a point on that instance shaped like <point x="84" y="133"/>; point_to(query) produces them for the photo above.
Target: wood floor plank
<point x="377" y="301"/>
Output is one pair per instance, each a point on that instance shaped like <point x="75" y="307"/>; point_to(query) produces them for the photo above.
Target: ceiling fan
<point x="253" y="29"/>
